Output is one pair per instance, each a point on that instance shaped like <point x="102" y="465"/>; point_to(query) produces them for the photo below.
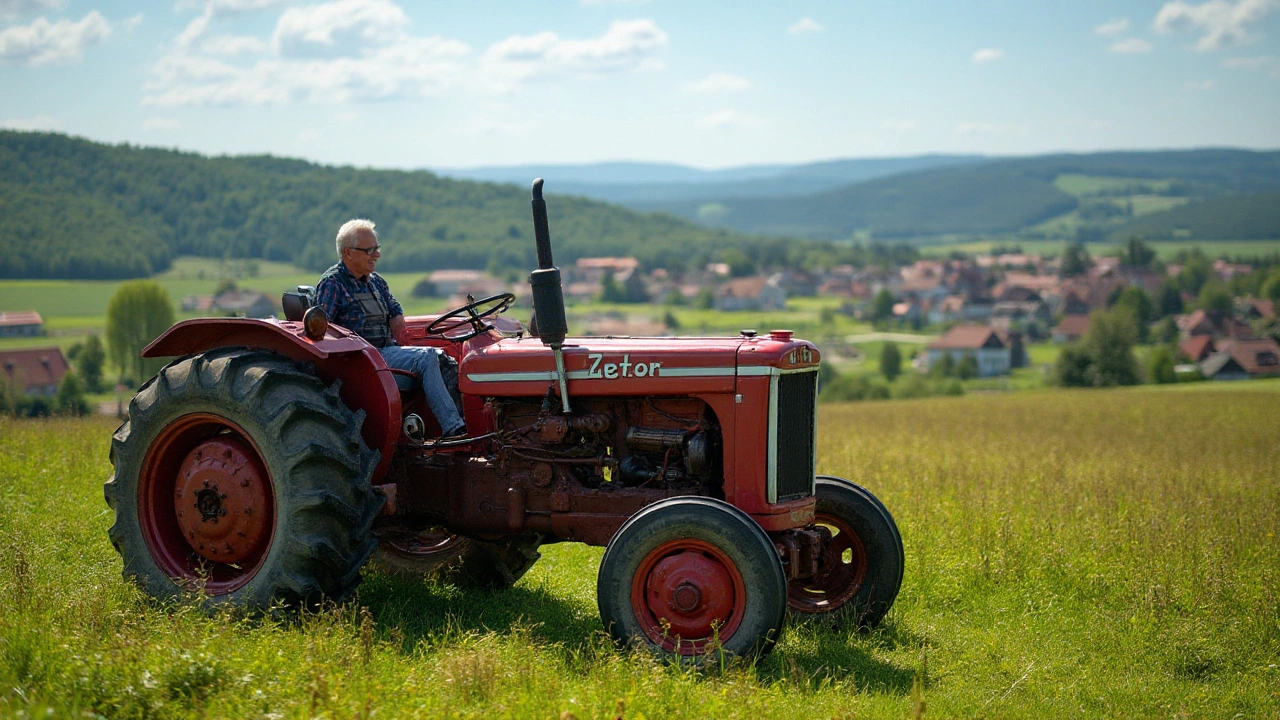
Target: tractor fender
<point x="367" y="382"/>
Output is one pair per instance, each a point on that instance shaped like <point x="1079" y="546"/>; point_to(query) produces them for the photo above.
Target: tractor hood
<point x="631" y="366"/>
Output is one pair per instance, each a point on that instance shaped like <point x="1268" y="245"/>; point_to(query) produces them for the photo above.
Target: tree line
<point x="79" y="209"/>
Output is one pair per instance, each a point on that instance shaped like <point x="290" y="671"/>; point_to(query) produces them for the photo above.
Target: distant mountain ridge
<point x="995" y="196"/>
<point x="638" y="184"/>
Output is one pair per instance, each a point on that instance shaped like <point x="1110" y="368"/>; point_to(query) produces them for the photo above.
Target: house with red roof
<point x="983" y="343"/>
<point x="23" y="323"/>
<point x="36" y="370"/>
<point x="1071" y="328"/>
<point x="1196" y="348"/>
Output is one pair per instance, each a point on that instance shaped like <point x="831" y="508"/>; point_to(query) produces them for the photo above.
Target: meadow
<point x="1069" y="554"/>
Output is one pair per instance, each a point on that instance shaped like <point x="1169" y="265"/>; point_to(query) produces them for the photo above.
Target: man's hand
<point x="398" y="330"/>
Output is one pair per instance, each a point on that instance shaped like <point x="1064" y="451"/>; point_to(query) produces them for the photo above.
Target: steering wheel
<point x="472" y="314"/>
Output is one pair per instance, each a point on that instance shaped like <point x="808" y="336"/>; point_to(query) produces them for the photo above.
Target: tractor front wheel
<point x="860" y="571"/>
<point x="692" y="577"/>
<point x="239" y="475"/>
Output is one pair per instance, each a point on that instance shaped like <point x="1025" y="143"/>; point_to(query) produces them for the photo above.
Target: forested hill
<point x="999" y="196"/>
<point x="78" y="209"/>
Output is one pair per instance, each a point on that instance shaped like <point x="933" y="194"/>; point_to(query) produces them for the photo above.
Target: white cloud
<point x="1202" y="85"/>
<point x="1130" y="46"/>
<point x="37" y="123"/>
<point x="804" y="26"/>
<point x="233" y="45"/>
<point x="19" y="8"/>
<point x="1112" y="27"/>
<point x="342" y="27"/>
<point x="159" y="123"/>
<point x="43" y="42"/>
<point x="486" y="126"/>
<point x="627" y="46"/>
<point x="727" y="119"/>
<point x="1221" y="22"/>
<point x="718" y="83"/>
<point x="988" y="55"/>
<point x="215" y="10"/>
<point x="132" y="23"/>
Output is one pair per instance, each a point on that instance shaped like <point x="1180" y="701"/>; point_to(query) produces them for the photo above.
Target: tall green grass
<point x="1069" y="554"/>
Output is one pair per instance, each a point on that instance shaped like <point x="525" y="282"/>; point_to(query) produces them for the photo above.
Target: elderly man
<point x="354" y="296"/>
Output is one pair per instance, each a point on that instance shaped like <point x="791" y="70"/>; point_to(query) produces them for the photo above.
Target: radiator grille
<point x="796" y="431"/>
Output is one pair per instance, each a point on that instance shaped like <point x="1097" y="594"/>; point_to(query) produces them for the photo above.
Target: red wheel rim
<point x="687" y="595"/>
<point x="841" y="572"/>
<point x="206" y="504"/>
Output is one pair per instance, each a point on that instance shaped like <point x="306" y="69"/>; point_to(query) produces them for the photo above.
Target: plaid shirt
<point x="335" y="294"/>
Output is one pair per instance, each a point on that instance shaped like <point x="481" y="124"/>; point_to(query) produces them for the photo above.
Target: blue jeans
<point x="425" y="361"/>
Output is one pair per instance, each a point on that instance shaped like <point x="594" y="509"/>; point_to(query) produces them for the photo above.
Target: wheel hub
<point x="221" y="499"/>
<point x="691" y="593"/>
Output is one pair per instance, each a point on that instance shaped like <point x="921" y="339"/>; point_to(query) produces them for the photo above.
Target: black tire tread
<point x="325" y="504"/>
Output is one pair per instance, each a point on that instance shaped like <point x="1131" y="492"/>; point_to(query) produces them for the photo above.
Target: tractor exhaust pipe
<point x="548" y="297"/>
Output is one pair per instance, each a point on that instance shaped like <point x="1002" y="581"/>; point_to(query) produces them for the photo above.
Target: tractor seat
<point x="295" y="304"/>
<point x="406" y="381"/>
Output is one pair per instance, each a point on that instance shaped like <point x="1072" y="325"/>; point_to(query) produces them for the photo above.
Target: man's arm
<point x="398" y="329"/>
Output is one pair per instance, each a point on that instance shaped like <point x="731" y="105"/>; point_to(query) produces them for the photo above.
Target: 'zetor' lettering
<point x="613" y="370"/>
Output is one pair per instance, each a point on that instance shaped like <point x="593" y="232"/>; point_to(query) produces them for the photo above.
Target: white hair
<point x="349" y="233"/>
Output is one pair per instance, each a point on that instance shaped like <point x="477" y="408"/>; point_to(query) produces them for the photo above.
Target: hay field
<point x="1069" y="554"/>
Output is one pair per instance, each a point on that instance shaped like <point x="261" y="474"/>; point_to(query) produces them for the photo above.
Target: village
<point x="975" y="317"/>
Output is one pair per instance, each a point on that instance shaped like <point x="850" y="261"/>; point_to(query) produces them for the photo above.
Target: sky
<point x="380" y="83"/>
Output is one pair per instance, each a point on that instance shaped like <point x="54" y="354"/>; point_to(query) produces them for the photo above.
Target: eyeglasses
<point x="367" y="251"/>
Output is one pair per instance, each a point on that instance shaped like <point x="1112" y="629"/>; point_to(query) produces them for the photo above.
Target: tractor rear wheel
<point x="465" y="562"/>
<point x="693" y="577"/>
<point x="241" y="476"/>
<point x="860" y="572"/>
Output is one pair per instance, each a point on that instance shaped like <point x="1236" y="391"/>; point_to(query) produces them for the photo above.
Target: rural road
<point x="886" y="336"/>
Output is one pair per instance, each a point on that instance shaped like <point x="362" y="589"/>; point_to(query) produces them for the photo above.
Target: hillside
<point x="639" y="185"/>
<point x="999" y="196"/>
<point x="1223" y="218"/>
<point x="78" y="209"/>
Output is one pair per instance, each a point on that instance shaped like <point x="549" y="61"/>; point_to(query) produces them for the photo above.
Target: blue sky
<point x="406" y="85"/>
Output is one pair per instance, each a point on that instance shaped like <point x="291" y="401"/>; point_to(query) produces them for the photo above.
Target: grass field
<point x="1069" y="554"/>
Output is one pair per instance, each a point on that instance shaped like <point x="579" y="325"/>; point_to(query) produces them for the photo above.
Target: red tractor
<point x="273" y="458"/>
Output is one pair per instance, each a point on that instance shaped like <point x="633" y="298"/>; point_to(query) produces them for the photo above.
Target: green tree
<point x="882" y="306"/>
<point x="70" y="398"/>
<point x="611" y="291"/>
<point x="90" y="361"/>
<point x="890" y="361"/>
<point x="1196" y="271"/>
<point x="1075" y="260"/>
<point x="944" y="367"/>
<point x="1167" y="330"/>
<point x="740" y="264"/>
<point x="706" y="298"/>
<point x="1109" y="346"/>
<point x="1072" y="367"/>
<point x="1137" y="253"/>
<point x="1271" y="288"/>
<point x="1215" y="296"/>
<point x="137" y="314"/>
<point x="670" y="321"/>
<point x="1170" y="302"/>
<point x="967" y="368"/>
<point x="1136" y="301"/>
<point x="1160" y="366"/>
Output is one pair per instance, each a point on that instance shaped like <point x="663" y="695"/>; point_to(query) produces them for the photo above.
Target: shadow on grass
<point x="424" y="609"/>
<point x="812" y="654"/>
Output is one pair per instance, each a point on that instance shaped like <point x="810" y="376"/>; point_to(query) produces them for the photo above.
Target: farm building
<point x="1071" y="329"/>
<point x="36" y="370"/>
<point x="983" y="343"/>
<point x="750" y="293"/>
<point x="24" y="323"/>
